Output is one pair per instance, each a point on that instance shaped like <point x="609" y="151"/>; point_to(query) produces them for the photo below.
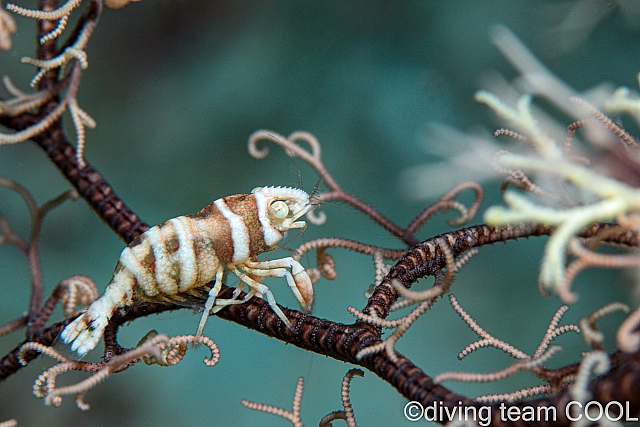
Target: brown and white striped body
<point x="188" y="252"/>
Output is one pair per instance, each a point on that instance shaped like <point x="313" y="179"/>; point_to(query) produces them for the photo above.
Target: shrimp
<point x="186" y="253"/>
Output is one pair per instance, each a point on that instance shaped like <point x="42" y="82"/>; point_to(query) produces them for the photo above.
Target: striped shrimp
<point x="186" y="253"/>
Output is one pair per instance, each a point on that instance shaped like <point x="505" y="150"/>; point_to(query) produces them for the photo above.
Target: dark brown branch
<point x="335" y="340"/>
<point x="343" y="342"/>
<point x="427" y="257"/>
<point x="10" y="363"/>
<point x="47" y="50"/>
<point x="90" y="184"/>
<point x="339" y="341"/>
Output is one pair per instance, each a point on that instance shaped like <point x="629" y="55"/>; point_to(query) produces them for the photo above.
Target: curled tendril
<point x="326" y="264"/>
<point x="289" y="144"/>
<point x="447" y="202"/>
<point x="313" y="158"/>
<point x="316" y="217"/>
<point x="173" y="352"/>
<point x="628" y="337"/>
<point x="78" y="290"/>
<point x="588" y="325"/>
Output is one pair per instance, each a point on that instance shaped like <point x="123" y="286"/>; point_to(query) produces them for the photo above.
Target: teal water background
<point x="176" y="88"/>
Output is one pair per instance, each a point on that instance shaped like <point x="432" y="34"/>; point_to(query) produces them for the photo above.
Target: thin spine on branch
<point x="23" y="103"/>
<point x="588" y="325"/>
<point x="152" y="347"/>
<point x="61" y="14"/>
<point x="425" y="300"/>
<point x="622" y="134"/>
<point x="313" y="158"/>
<point x="520" y="365"/>
<point x="403" y="326"/>
<point x="628" y="337"/>
<point x="586" y="258"/>
<point x="614" y="198"/>
<point x="596" y="362"/>
<point x="347" y="412"/>
<point x="155" y="348"/>
<point x="76" y="51"/>
<point x="75" y="290"/>
<point x="337" y="242"/>
<point x="292" y="416"/>
<point x="442" y="288"/>
<point x="48" y="120"/>
<point x="330" y="333"/>
<point x="525" y="393"/>
<point x="79" y="116"/>
<point x="176" y="348"/>
<point x="7" y="28"/>
<point x="525" y="361"/>
<point x="331" y="328"/>
<point x="417" y="268"/>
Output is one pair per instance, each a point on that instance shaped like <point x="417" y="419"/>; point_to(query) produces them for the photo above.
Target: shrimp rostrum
<point x="181" y="255"/>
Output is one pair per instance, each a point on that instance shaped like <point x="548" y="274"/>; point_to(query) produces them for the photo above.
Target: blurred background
<point x="177" y="87"/>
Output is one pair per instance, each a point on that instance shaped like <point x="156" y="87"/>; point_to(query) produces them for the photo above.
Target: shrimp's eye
<point x="279" y="209"/>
